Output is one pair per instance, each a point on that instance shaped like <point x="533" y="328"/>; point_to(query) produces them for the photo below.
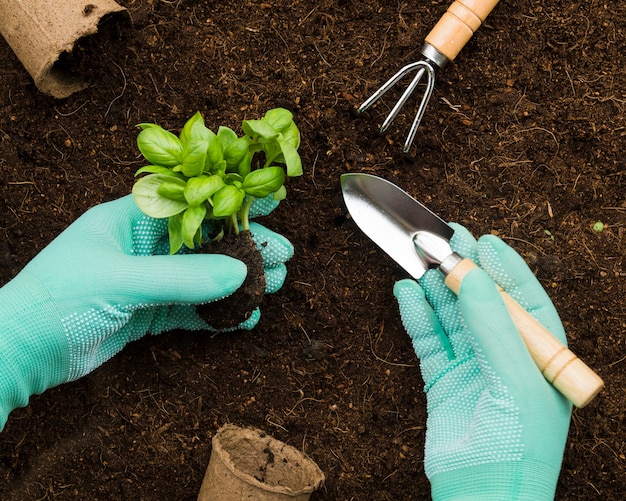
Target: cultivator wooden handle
<point x="458" y="24"/>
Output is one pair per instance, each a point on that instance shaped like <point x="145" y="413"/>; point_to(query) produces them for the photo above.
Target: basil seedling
<point x="201" y="175"/>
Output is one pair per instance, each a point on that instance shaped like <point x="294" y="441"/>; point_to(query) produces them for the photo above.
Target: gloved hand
<point x="496" y="429"/>
<point x="99" y="285"/>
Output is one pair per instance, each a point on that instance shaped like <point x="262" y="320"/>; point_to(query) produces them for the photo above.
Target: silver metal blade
<point x="391" y="218"/>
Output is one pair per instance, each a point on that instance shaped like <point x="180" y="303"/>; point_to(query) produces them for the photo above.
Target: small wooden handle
<point x="458" y="24"/>
<point x="557" y="363"/>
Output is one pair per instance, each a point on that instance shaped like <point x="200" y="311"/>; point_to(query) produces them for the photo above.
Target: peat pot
<point x="248" y="464"/>
<point x="42" y="33"/>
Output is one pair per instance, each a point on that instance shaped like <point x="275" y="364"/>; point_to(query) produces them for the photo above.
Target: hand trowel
<point x="417" y="239"/>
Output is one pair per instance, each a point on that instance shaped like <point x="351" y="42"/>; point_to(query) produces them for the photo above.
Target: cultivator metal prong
<point x="422" y="67"/>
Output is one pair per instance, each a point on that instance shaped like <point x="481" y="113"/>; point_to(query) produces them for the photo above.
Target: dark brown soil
<point x="524" y="137"/>
<point x="237" y="307"/>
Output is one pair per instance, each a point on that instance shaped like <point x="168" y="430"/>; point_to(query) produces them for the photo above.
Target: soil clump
<point x="236" y="308"/>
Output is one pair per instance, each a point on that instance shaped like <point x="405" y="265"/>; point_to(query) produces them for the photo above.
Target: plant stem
<point x="268" y="161"/>
<point x="245" y="214"/>
<point x="234" y="224"/>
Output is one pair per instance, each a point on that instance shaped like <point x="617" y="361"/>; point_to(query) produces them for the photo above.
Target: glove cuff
<point x="524" y="480"/>
<point x="34" y="353"/>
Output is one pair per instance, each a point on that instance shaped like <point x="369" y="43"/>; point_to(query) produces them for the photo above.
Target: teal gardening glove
<point x="100" y="284"/>
<point x="496" y="429"/>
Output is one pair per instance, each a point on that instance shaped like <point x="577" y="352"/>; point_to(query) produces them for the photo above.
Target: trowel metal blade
<point x="391" y="218"/>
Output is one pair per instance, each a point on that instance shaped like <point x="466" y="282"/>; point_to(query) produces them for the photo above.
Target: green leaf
<point x="146" y="125"/>
<point x="291" y="158"/>
<point x="261" y="183"/>
<point x="219" y="169"/>
<point x="172" y="189"/>
<point x="259" y="130"/>
<point x="236" y="151"/>
<point x="244" y="167"/>
<point x="291" y="136"/>
<point x="194" y="157"/>
<point x="226" y="135"/>
<point x="194" y="130"/>
<point x="279" y="118"/>
<point x="215" y="155"/>
<point x="157" y="169"/>
<point x="147" y="198"/>
<point x="233" y="178"/>
<point x="192" y="222"/>
<point x="201" y="188"/>
<point x="280" y="194"/>
<point x="159" y="146"/>
<point x="175" y="230"/>
<point x="227" y="201"/>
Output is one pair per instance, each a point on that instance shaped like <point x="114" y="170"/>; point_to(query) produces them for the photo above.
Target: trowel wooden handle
<point x="458" y="24"/>
<point x="557" y="363"/>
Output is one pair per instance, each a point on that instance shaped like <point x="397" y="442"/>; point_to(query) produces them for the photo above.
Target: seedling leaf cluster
<point x="201" y="175"/>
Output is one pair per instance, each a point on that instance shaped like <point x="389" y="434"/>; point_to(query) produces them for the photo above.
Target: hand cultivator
<point x="441" y="46"/>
